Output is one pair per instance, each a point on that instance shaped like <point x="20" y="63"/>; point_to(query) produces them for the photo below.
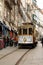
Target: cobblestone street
<point x="33" y="57"/>
<point x="6" y="51"/>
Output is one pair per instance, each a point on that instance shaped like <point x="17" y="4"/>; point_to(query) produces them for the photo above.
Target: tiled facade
<point x="11" y="11"/>
<point x="27" y="9"/>
<point x="7" y="12"/>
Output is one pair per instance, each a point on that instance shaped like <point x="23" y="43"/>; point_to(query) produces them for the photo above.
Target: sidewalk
<point x="6" y="51"/>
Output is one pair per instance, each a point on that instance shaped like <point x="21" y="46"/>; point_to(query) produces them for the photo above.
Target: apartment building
<point x="27" y="9"/>
<point x="7" y="17"/>
<point x="15" y="12"/>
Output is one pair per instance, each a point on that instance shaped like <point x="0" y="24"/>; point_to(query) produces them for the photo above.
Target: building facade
<point x="15" y="12"/>
<point x="27" y="9"/>
<point x="8" y="19"/>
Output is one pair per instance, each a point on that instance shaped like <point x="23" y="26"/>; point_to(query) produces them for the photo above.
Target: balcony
<point x="34" y="2"/>
<point x="23" y="13"/>
<point x="28" y="8"/>
<point x="7" y="3"/>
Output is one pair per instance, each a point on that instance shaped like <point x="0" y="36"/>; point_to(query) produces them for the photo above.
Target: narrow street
<point x="33" y="57"/>
<point x="12" y="58"/>
<point x="6" y="51"/>
<point x="21" y="25"/>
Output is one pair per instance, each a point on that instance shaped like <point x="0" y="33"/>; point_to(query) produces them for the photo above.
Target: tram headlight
<point x="24" y="39"/>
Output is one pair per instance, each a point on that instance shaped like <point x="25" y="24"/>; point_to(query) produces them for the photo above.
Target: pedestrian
<point x="5" y="42"/>
<point x="42" y="41"/>
<point x="15" y="40"/>
<point x="11" y="42"/>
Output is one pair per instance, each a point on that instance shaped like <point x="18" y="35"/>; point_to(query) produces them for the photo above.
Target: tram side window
<point x="30" y="31"/>
<point x="20" y="32"/>
<point x="24" y="31"/>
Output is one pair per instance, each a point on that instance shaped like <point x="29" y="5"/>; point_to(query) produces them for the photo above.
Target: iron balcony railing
<point x="23" y="12"/>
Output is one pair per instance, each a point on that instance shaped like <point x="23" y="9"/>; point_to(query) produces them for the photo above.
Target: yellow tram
<point x="27" y="35"/>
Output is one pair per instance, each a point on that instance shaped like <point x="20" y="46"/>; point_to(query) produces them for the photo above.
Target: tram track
<point x="17" y="53"/>
<point x="17" y="63"/>
<point x="9" y="53"/>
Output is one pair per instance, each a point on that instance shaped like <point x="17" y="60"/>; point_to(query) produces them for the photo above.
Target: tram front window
<point x="20" y="32"/>
<point x="24" y="31"/>
<point x="30" y="31"/>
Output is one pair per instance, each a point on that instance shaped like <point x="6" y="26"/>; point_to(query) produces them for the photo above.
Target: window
<point x="0" y="14"/>
<point x="24" y="31"/>
<point x="15" y="1"/>
<point x="34" y="2"/>
<point x="32" y="16"/>
<point x="28" y="7"/>
<point x="30" y="31"/>
<point x="8" y="13"/>
<point x="5" y="14"/>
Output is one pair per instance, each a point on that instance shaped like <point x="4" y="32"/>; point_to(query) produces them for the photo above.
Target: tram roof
<point x="26" y="23"/>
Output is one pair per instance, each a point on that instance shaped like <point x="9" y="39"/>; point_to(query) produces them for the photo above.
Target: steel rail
<point x="17" y="63"/>
<point x="8" y="53"/>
